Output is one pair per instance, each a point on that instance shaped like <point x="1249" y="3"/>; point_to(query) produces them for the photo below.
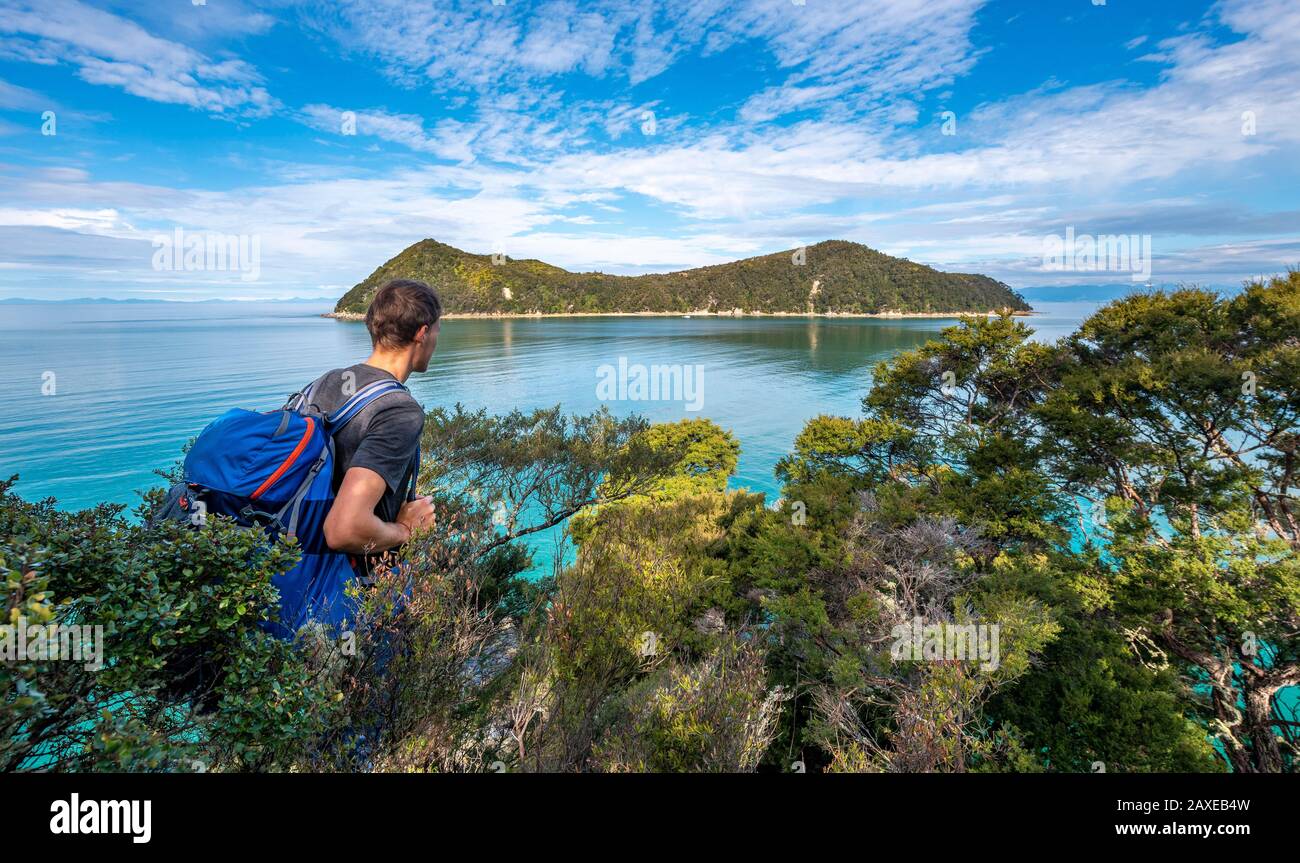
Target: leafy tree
<point x="882" y="709"/>
<point x="1007" y="438"/>
<point x="1179" y="412"/>
<point x="634" y="623"/>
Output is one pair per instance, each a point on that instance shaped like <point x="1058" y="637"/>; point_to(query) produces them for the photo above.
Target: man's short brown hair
<point x="398" y="311"/>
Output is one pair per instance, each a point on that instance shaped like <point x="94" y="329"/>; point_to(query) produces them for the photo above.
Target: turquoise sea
<point x="99" y="395"/>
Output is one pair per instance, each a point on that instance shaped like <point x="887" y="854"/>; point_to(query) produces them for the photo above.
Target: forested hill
<point x="835" y="277"/>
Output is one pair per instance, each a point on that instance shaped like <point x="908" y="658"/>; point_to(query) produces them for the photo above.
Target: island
<point x="831" y="278"/>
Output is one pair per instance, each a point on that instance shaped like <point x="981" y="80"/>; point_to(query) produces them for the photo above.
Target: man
<point x="376" y="453"/>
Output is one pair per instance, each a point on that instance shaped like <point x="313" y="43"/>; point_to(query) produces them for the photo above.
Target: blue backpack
<point x="274" y="471"/>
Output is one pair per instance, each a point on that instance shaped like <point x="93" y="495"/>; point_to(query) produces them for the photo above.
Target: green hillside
<point x="836" y="277"/>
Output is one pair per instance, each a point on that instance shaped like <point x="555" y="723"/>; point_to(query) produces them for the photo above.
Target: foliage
<point x="175" y="606"/>
<point x="1179" y="411"/>
<point x="716" y="715"/>
<point x="1117" y="511"/>
<point x="634" y="624"/>
<point x="1167" y="427"/>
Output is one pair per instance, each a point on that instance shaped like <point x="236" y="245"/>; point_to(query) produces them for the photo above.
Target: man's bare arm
<point x="352" y="525"/>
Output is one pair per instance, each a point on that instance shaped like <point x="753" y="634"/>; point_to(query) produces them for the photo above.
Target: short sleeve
<point x="389" y="442"/>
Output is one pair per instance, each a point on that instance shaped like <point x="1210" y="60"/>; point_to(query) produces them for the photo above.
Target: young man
<point x="375" y="453"/>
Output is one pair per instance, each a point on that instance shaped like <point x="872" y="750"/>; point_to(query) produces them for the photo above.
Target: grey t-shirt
<point x="384" y="436"/>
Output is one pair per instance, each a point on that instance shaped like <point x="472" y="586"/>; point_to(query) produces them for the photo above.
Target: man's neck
<point x="397" y="364"/>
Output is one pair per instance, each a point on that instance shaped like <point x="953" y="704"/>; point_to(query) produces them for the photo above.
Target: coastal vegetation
<point x="832" y="277"/>
<point x="1118" y="510"/>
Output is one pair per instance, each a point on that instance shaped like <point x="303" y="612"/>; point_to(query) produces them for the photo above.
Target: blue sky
<point x="634" y="136"/>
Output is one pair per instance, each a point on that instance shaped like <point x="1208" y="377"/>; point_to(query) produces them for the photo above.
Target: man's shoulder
<point x="395" y="412"/>
<point x="400" y="408"/>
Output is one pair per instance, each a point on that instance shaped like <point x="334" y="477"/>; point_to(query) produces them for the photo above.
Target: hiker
<point x="375" y="453"/>
<point x="335" y="468"/>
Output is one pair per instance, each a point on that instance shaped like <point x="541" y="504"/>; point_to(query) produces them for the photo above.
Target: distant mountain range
<point x="834" y="277"/>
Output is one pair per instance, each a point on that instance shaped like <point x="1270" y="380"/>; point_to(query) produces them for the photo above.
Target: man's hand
<point x="416" y="515"/>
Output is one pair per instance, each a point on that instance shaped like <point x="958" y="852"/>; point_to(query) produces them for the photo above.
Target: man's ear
<point x="422" y="334"/>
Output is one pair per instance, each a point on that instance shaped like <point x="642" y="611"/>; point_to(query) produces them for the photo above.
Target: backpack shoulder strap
<point x="415" y="475"/>
<point x="363" y="397"/>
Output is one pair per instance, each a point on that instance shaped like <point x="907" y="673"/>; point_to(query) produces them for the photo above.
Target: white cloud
<point x="113" y="51"/>
<point x="450" y="139"/>
<point x="859" y="51"/>
<point x="90" y="221"/>
<point x="1097" y="139"/>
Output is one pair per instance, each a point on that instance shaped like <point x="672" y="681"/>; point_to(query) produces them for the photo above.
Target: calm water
<point x="132" y="383"/>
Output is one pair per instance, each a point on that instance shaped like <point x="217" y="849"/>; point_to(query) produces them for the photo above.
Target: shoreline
<point x="357" y="316"/>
